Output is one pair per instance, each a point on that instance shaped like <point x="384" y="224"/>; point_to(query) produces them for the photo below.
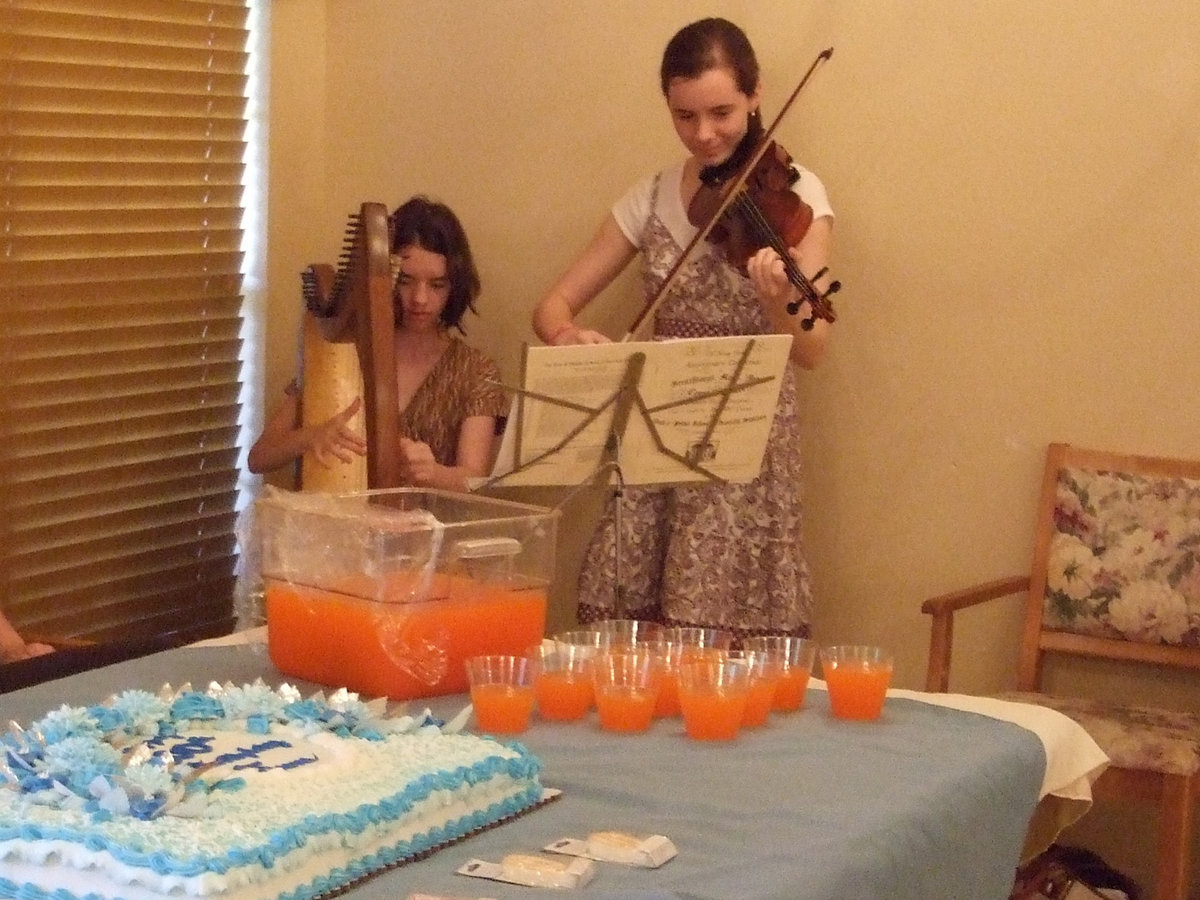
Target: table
<point x="929" y="802"/>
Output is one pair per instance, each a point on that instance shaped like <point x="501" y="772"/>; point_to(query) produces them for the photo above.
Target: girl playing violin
<point x="731" y="555"/>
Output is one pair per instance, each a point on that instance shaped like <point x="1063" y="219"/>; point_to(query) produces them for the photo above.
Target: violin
<point x="764" y="211"/>
<point x="746" y="203"/>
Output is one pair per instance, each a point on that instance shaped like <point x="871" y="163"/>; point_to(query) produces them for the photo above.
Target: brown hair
<point x="433" y="226"/>
<point x="710" y="44"/>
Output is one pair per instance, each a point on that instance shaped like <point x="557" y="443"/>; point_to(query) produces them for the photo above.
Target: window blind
<point x="121" y="163"/>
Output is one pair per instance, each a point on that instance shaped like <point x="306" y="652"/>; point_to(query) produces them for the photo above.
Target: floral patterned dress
<point x="728" y="556"/>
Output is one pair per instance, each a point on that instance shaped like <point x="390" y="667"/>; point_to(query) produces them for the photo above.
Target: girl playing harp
<point x="449" y="397"/>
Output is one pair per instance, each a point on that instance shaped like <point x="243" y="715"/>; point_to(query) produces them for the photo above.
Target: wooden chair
<point x="354" y="304"/>
<point x="1115" y="576"/>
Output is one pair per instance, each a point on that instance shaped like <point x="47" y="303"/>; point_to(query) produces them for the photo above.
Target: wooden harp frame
<point x="355" y="303"/>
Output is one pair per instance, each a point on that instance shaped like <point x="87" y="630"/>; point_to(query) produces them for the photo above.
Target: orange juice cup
<point x="667" y="705"/>
<point x="796" y="657"/>
<point x="627" y="682"/>
<point x="713" y="695"/>
<point x="502" y="692"/>
<point x="563" y="686"/>
<point x="625" y="632"/>
<point x="669" y="656"/>
<point x="765" y="672"/>
<point x="857" y="678"/>
<point x="676" y="645"/>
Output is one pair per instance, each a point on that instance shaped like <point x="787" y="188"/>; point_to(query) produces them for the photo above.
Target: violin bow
<point x="736" y="185"/>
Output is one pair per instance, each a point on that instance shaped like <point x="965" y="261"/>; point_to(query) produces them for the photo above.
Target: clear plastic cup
<point x="765" y="674"/>
<point x="563" y="687"/>
<point x="713" y="695"/>
<point x="670" y="655"/>
<point x="857" y="677"/>
<point x="625" y="632"/>
<point x="502" y="692"/>
<point x="627" y="681"/>
<point x="588" y="638"/>
<point x="796" y="657"/>
<point x="700" y="643"/>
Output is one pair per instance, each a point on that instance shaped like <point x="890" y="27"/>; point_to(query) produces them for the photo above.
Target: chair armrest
<point x="942" y="609"/>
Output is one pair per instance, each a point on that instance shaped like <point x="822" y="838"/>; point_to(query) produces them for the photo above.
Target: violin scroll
<point x="819" y="304"/>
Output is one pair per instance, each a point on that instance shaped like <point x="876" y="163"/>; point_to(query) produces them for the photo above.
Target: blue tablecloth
<point x="926" y="803"/>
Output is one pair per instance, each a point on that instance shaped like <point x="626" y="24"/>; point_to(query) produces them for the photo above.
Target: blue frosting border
<point x="289" y="838"/>
<point x="356" y="871"/>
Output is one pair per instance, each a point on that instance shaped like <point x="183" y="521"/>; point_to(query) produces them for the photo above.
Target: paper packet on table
<point x="532" y="870"/>
<point x="643" y="851"/>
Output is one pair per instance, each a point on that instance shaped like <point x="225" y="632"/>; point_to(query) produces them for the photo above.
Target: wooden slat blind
<point x="122" y="137"/>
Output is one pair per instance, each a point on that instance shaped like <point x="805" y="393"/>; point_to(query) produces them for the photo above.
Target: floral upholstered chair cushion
<point x="1133" y="737"/>
<point x="1125" y="558"/>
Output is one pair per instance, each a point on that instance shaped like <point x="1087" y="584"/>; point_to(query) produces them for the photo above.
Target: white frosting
<point x="332" y="777"/>
<point x="83" y="873"/>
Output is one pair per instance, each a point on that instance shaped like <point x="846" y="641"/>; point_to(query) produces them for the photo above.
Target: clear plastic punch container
<point x="388" y="592"/>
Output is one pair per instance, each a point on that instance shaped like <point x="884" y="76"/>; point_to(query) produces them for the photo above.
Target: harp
<point x="353" y="304"/>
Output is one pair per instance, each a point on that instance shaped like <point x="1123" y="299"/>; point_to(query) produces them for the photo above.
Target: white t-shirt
<point x="633" y="209"/>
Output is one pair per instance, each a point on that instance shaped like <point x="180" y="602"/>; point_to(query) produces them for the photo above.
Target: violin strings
<point x="766" y="233"/>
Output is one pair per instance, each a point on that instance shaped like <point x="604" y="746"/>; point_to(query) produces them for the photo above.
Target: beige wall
<point x="1017" y="232"/>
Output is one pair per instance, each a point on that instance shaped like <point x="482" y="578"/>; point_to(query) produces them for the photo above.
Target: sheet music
<point x="703" y="411"/>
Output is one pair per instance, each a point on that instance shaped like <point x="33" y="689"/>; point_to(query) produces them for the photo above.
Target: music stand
<point x="704" y="408"/>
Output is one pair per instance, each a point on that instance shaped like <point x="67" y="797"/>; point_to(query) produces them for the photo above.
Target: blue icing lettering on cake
<point x="239" y="793"/>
